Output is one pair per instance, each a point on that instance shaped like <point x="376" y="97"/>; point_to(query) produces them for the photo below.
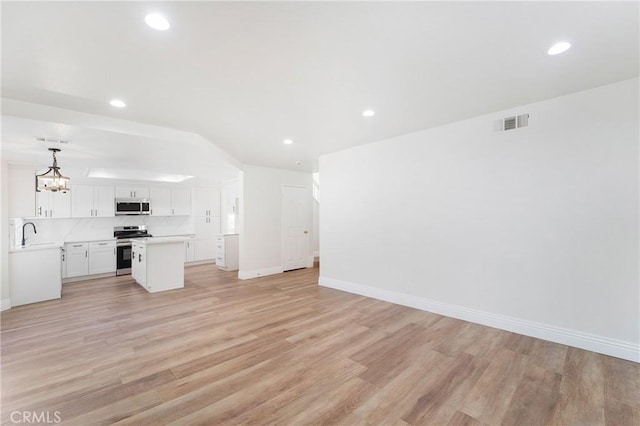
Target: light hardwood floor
<point x="282" y="350"/>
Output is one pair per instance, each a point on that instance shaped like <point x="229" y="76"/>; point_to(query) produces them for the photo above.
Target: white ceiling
<point x="245" y="76"/>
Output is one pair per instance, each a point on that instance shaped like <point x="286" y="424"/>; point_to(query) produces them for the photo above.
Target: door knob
<point x="306" y="232"/>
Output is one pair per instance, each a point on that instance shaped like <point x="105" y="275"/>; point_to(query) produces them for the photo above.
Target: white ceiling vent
<point x="513" y="122"/>
<point x="51" y="140"/>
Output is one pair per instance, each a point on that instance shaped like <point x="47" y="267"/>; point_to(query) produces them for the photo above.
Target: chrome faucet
<point x="24" y="240"/>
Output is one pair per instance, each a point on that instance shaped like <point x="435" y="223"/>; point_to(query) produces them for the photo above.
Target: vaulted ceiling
<point x="246" y="75"/>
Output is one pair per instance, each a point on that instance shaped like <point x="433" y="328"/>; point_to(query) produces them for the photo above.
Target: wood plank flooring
<point x="281" y="350"/>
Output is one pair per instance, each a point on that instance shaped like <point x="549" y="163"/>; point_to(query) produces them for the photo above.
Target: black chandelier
<point x="52" y="180"/>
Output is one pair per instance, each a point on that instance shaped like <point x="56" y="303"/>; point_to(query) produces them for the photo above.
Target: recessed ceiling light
<point x="368" y="113"/>
<point x="117" y="103"/>
<point x="287" y="141"/>
<point x="157" y="22"/>
<point x="558" y="48"/>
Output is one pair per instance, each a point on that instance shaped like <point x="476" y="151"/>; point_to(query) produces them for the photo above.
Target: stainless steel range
<point x="124" y="235"/>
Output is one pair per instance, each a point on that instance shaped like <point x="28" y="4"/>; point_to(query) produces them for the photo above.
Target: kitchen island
<point x="35" y="273"/>
<point x="157" y="263"/>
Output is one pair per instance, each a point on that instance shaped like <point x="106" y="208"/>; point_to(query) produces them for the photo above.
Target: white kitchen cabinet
<point x="158" y="264"/>
<point x="34" y="275"/>
<point x="181" y="202"/>
<point x="139" y="263"/>
<point x="64" y="261"/>
<point x="104" y="201"/>
<point x="160" y="201"/>
<point x="53" y="204"/>
<point x="189" y="251"/>
<point x="227" y="252"/>
<point x="170" y="201"/>
<point x="77" y="259"/>
<point x="206" y="229"/>
<point x="230" y="206"/>
<point x="102" y="257"/>
<point x="206" y="202"/>
<point x="92" y="201"/>
<point x="132" y="192"/>
<point x="206" y="212"/>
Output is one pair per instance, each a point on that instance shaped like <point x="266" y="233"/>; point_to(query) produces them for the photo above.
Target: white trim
<point x="88" y="277"/>
<point x="247" y="275"/>
<point x="5" y="304"/>
<point x="316" y="253"/>
<point x="604" y="345"/>
<point x="310" y="260"/>
<point x="200" y="262"/>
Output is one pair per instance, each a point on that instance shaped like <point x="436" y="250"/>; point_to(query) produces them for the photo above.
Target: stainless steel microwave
<point x="132" y="206"/>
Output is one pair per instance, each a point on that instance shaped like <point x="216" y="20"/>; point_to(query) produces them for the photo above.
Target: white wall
<point x="260" y="218"/>
<point x="4" y="236"/>
<point x="533" y="230"/>
<point x="21" y="190"/>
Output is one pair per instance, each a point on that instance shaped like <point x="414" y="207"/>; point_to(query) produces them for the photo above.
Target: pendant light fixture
<point x="52" y="180"/>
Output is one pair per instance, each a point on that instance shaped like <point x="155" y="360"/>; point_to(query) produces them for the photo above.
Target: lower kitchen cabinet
<point x="102" y="257"/>
<point x="227" y="252"/>
<point x="157" y="264"/>
<point x="139" y="263"/>
<point x="88" y="258"/>
<point x="34" y="275"/>
<point x="189" y="251"/>
<point x="205" y="237"/>
<point x="204" y="249"/>
<point x="76" y="259"/>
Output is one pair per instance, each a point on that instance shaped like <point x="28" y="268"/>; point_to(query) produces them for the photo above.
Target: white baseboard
<point x="5" y="304"/>
<point x="88" y="277"/>
<point x="590" y="342"/>
<point x="247" y="275"/>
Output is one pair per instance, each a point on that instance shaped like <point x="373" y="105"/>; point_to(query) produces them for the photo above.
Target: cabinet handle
<point x="151" y="212"/>
<point x="114" y="251"/>
<point x="86" y="253"/>
<point x="63" y="256"/>
<point x="40" y="211"/>
<point x="77" y="245"/>
<point x="139" y="257"/>
<point x="50" y="213"/>
<point x="133" y="255"/>
<point x="172" y="211"/>
<point x="102" y="244"/>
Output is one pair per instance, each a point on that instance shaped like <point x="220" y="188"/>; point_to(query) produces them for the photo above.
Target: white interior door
<point x="295" y="227"/>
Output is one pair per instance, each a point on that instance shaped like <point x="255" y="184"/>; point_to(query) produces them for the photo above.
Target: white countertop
<point x="161" y="240"/>
<point x="89" y="240"/>
<point x="36" y="246"/>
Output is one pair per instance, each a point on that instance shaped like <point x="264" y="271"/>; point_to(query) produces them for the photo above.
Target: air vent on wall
<point x="514" y="122"/>
<point x="51" y="140"/>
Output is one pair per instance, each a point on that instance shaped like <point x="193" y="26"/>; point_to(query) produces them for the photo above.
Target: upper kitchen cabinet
<point x="170" y="201"/>
<point x="160" y="201"/>
<point x="53" y="204"/>
<point x="206" y="202"/>
<point x="92" y="201"/>
<point x="132" y="192"/>
<point x="181" y="201"/>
